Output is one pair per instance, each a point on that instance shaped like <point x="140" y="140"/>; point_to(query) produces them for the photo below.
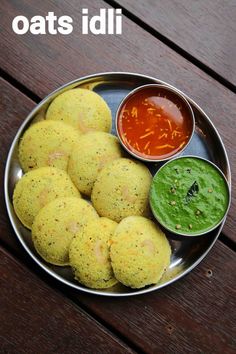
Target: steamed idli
<point x="89" y="254"/>
<point x="81" y="108"/>
<point x="92" y="152"/>
<point x="47" y="143"/>
<point x="121" y="189"/>
<point x="55" y="226"/>
<point x="140" y="252"/>
<point x="39" y="187"/>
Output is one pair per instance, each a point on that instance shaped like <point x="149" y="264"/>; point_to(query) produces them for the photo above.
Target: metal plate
<point x="206" y="142"/>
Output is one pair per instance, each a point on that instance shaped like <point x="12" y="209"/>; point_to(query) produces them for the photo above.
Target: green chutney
<point x="189" y="196"/>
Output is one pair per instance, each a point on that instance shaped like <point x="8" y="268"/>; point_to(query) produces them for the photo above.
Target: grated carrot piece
<point x="164" y="135"/>
<point x="147" y="130"/>
<point x="175" y="133"/>
<point x="147" y="145"/>
<point x="151" y="111"/>
<point x="169" y="123"/>
<point x="164" y="146"/>
<point x="137" y="146"/>
<point x="146" y="135"/>
<point x="134" y="112"/>
<point x="182" y="144"/>
<point x="149" y="152"/>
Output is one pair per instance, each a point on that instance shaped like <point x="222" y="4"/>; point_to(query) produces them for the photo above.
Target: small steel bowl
<point x="179" y="232"/>
<point x="173" y="92"/>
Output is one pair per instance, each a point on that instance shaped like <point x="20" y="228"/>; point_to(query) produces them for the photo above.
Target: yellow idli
<point x="121" y="189"/>
<point x="47" y="143"/>
<point x="55" y="226"/>
<point x="92" y="152"/>
<point x="89" y="254"/>
<point x="140" y="252"/>
<point x="39" y="187"/>
<point x="81" y="108"/>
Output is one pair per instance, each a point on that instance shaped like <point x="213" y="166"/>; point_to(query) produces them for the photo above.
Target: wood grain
<point x="204" y="29"/>
<point x="35" y="319"/>
<point x="193" y="315"/>
<point x="42" y="63"/>
<point x="14" y="107"/>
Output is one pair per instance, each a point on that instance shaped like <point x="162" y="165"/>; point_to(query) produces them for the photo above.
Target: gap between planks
<point x="19" y="86"/>
<point x="173" y="46"/>
<point x="227" y="242"/>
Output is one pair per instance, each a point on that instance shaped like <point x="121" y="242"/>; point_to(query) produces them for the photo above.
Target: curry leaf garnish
<point x="192" y="192"/>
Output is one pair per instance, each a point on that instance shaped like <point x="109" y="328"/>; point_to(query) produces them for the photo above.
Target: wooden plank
<point x="14" y="107"/>
<point x="204" y="29"/>
<point x="36" y="319"/>
<point x="193" y="315"/>
<point x="42" y="63"/>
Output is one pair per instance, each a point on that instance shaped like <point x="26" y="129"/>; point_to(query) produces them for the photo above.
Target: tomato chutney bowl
<point x="155" y="122"/>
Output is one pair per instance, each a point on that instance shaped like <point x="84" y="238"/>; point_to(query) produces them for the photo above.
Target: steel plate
<point x="206" y="142"/>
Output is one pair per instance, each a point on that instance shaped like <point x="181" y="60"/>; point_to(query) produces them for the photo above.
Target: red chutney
<point x="155" y="123"/>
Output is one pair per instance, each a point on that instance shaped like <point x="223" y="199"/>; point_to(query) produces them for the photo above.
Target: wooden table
<point x="190" y="44"/>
